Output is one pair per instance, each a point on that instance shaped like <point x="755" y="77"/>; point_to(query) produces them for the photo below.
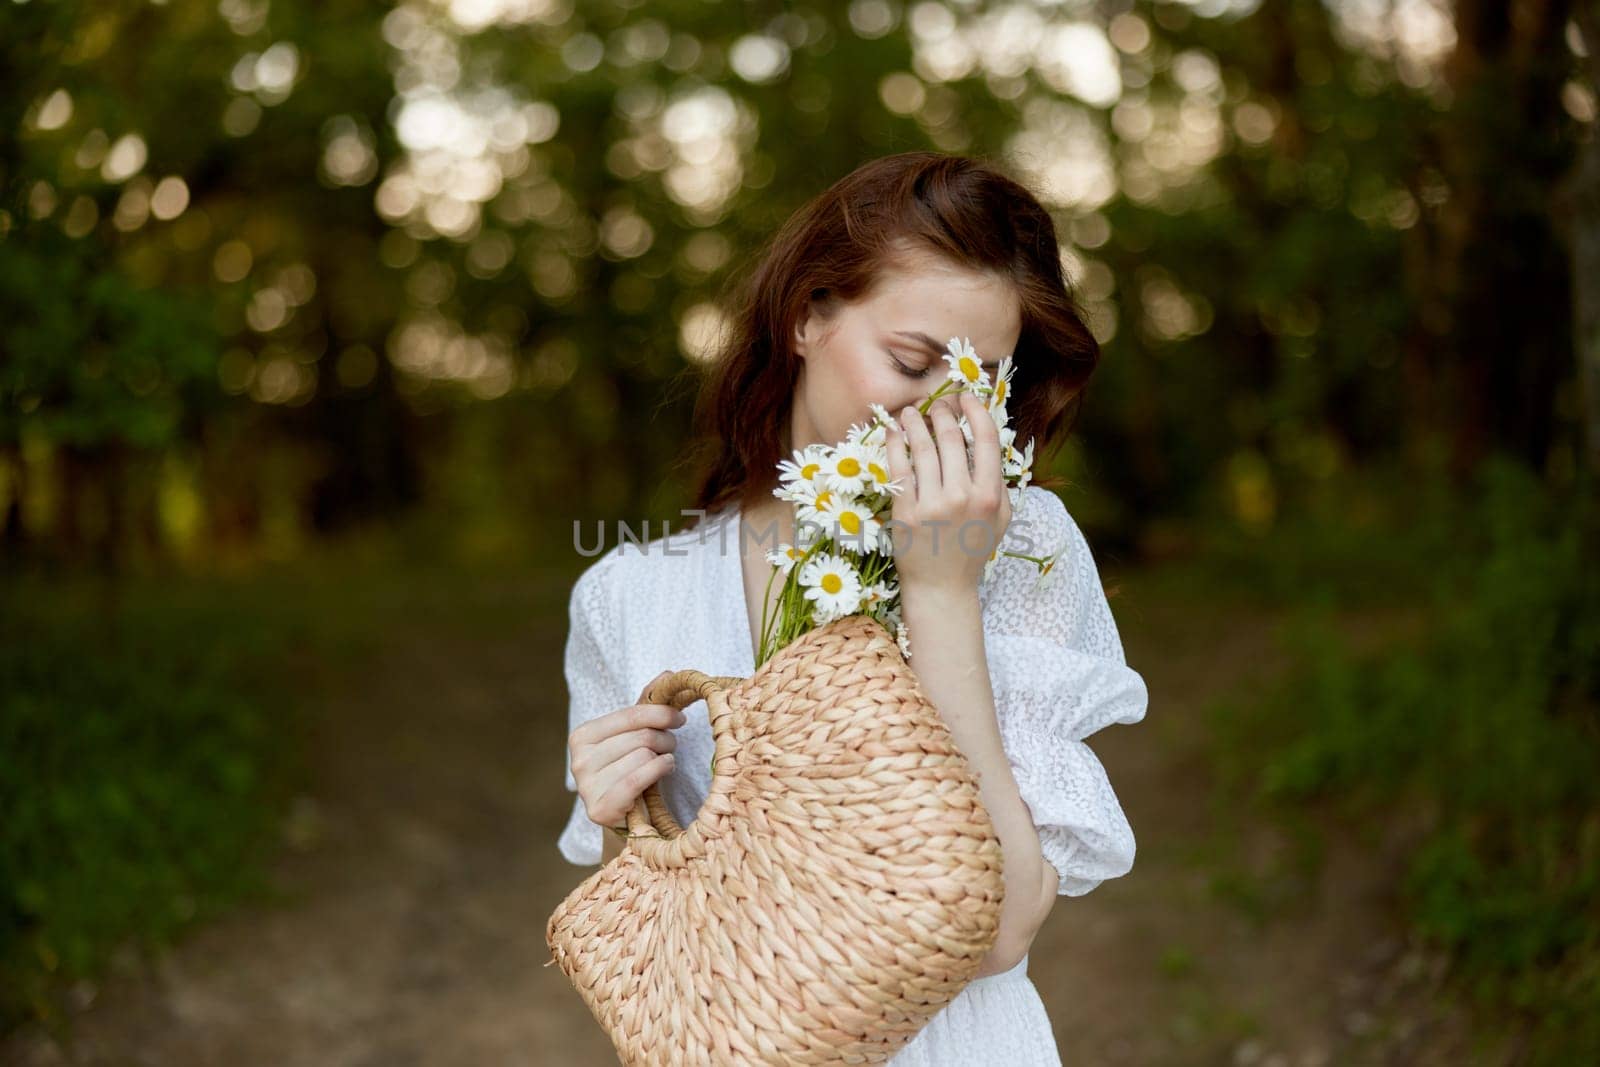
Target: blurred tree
<point x="468" y="255"/>
<point x="1581" y="200"/>
<point x="1503" y="146"/>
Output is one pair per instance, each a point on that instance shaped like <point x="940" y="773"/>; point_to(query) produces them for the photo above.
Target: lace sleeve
<point x="1058" y="673"/>
<point x="594" y="688"/>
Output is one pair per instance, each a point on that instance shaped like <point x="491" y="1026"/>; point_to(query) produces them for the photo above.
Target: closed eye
<point x="909" y="371"/>
<point x="900" y="365"/>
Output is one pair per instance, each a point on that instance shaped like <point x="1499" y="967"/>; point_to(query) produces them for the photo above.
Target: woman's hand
<point x="616" y="756"/>
<point x="949" y="516"/>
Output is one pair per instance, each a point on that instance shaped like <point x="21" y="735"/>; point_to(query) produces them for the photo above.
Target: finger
<point x="899" y="468"/>
<point x="985" y="444"/>
<point x="956" y="412"/>
<point x="613" y="748"/>
<point x="924" y="453"/>
<point x="632" y="717"/>
<point x="988" y="478"/>
<point x="952" y="449"/>
<point x="619" y="785"/>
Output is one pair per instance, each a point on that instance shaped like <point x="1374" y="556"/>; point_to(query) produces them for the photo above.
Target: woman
<point x="850" y="305"/>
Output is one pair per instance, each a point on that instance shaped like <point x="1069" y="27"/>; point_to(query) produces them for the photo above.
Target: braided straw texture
<point x="840" y="885"/>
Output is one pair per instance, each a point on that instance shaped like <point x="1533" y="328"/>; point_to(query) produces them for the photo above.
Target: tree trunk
<point x="1503" y="271"/>
<point x="1581" y="196"/>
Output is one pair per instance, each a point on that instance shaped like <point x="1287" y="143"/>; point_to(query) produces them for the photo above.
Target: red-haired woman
<point x="850" y="305"/>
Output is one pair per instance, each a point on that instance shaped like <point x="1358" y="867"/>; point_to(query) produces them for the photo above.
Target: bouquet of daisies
<point x="843" y="563"/>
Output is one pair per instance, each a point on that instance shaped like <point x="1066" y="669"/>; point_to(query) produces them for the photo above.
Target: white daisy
<point x="805" y="466"/>
<point x="876" y="478"/>
<point x="878" y="594"/>
<point x="996" y="402"/>
<point x="965" y="368"/>
<point x="902" y="637"/>
<point x="817" y="506"/>
<point x="832" y="584"/>
<point x="808" y="532"/>
<point x="845" y="469"/>
<point x="882" y="416"/>
<point x="785" y="556"/>
<point x="854" y="527"/>
<point x="1049" y="572"/>
<point x="990" y="563"/>
<point x="1017" y="464"/>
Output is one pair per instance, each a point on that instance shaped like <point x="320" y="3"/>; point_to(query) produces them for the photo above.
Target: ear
<point x="806" y="325"/>
<point x="802" y="333"/>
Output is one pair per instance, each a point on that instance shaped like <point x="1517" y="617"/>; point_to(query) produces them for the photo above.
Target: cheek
<point x="848" y="377"/>
<point x="876" y="381"/>
<point x="840" y="386"/>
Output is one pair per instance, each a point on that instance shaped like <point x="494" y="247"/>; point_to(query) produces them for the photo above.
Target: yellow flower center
<point x="850" y="522"/>
<point x="824" y="500"/>
<point x="849" y="467"/>
<point x="809" y="471"/>
<point x="832" y="583"/>
<point x="878" y="473"/>
<point x="969" y="368"/>
<point x="1000" y="393"/>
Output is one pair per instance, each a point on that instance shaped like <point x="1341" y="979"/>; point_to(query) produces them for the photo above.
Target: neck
<point x="769" y="515"/>
<point x="767" y="509"/>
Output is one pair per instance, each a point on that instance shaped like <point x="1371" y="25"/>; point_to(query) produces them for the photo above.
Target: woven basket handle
<point x="650" y="816"/>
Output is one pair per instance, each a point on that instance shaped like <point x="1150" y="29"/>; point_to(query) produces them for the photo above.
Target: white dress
<point x="1058" y="674"/>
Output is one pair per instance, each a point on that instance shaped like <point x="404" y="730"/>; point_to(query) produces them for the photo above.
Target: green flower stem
<point x="791" y="616"/>
<point x="766" y="597"/>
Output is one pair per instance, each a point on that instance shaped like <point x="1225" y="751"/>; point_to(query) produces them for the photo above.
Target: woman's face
<point x="887" y="348"/>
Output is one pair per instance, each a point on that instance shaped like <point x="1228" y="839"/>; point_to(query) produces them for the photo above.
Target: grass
<point x="142" y="760"/>
<point x="1488" y="726"/>
<point x="150" y="731"/>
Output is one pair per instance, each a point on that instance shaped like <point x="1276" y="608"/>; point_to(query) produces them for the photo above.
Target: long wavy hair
<point x="833" y="249"/>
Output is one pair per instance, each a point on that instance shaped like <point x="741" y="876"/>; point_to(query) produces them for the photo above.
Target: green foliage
<point x="1492" y="726"/>
<point x="93" y="357"/>
<point x="1293" y="221"/>
<point x="141" y="763"/>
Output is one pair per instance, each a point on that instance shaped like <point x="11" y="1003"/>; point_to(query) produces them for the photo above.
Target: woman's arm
<point x="947" y="654"/>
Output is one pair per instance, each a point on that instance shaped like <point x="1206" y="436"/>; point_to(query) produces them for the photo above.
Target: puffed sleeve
<point x="1058" y="673"/>
<point x="594" y="688"/>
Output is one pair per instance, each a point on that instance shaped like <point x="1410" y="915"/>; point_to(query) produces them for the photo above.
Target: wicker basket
<point x="839" y="886"/>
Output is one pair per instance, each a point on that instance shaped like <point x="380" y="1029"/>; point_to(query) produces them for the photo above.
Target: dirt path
<point x="1213" y="949"/>
<point x="423" y="865"/>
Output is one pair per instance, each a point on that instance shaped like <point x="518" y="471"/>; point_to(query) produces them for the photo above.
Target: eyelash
<point x="907" y="371"/>
<point x="923" y="373"/>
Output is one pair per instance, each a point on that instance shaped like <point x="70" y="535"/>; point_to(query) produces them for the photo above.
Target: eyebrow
<point x="934" y="346"/>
